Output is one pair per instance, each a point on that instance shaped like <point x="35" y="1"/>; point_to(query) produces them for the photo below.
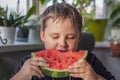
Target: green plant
<point x="114" y="23"/>
<point x="114" y="20"/>
<point x="2" y="11"/>
<point x="33" y="23"/>
<point x="26" y="22"/>
<point x="16" y="20"/>
<point x="9" y="20"/>
<point x="80" y="5"/>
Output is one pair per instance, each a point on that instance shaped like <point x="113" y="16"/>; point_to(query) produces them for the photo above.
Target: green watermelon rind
<point x="55" y="72"/>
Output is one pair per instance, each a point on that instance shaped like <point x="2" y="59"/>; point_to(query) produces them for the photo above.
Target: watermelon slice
<point x="59" y="61"/>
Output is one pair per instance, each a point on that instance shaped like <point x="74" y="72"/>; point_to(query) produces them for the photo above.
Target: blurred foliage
<point x="114" y="20"/>
<point x="14" y="19"/>
<point x="2" y="11"/>
<point x="11" y="19"/>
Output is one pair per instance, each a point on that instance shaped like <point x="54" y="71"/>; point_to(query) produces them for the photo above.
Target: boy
<point x="61" y="29"/>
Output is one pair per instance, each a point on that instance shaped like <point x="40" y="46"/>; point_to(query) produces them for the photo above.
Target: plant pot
<point x="115" y="49"/>
<point x="97" y="28"/>
<point x="34" y="36"/>
<point x="22" y="35"/>
<point x="7" y="35"/>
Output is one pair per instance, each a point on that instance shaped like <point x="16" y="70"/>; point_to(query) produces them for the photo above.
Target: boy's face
<point x="62" y="36"/>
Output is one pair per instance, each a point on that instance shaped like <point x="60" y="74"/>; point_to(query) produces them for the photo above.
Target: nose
<point x="63" y="43"/>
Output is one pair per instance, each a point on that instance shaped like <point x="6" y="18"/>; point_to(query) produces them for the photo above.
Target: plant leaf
<point x="114" y="19"/>
<point x="29" y="13"/>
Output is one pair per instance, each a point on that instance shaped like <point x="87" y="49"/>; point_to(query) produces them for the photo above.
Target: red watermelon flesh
<point x="60" y="60"/>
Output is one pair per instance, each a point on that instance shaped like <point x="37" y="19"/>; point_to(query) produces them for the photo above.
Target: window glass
<point x="19" y="6"/>
<point x="100" y="9"/>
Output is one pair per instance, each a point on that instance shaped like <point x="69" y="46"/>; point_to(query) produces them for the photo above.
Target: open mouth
<point x="62" y="50"/>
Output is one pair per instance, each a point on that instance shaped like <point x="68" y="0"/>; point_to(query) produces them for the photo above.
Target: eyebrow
<point x="53" y="33"/>
<point x="72" y="34"/>
<point x="58" y="34"/>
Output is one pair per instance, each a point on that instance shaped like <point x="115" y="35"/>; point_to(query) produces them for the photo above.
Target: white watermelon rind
<point x="55" y="72"/>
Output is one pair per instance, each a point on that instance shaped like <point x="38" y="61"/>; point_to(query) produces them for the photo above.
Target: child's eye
<point x="71" y="37"/>
<point x="54" y="36"/>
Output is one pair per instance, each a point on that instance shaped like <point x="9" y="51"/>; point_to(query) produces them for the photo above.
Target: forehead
<point x="59" y="22"/>
<point x="59" y="25"/>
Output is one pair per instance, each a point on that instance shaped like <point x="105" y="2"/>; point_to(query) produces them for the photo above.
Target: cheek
<point x="49" y="43"/>
<point x="73" y="45"/>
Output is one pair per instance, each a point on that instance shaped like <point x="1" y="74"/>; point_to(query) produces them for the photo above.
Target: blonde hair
<point x="61" y="11"/>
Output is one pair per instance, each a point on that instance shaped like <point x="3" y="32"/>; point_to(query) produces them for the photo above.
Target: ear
<point x="42" y="34"/>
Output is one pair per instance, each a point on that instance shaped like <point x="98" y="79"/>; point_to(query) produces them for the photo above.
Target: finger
<point x="77" y="75"/>
<point x="34" y="73"/>
<point x="27" y="61"/>
<point x="77" y="70"/>
<point x="37" y="71"/>
<point x="82" y="76"/>
<point x="81" y="63"/>
<point x="78" y="65"/>
<point x="37" y="59"/>
<point x="39" y="63"/>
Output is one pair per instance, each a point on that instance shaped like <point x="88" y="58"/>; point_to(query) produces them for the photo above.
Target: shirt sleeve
<point x="99" y="68"/>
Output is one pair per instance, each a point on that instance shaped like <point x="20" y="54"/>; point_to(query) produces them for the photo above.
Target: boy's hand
<point x="82" y="69"/>
<point x="31" y="68"/>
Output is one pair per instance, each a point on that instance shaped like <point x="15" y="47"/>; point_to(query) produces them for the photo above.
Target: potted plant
<point x="115" y="46"/>
<point x="22" y="31"/>
<point x="8" y="22"/>
<point x="34" y="30"/>
<point x="114" y="24"/>
<point x="96" y="27"/>
<point x="91" y="23"/>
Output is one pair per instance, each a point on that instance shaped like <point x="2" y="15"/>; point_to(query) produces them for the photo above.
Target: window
<point x="19" y="6"/>
<point x="100" y="9"/>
